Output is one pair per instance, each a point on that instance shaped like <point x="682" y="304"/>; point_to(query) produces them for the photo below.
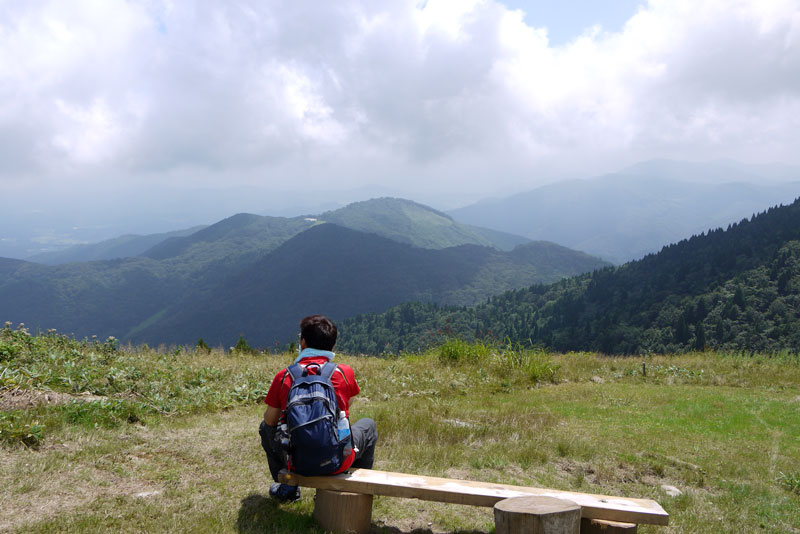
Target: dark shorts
<point x="365" y="436"/>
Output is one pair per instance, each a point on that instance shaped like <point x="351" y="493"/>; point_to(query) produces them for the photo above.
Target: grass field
<point x="101" y="438"/>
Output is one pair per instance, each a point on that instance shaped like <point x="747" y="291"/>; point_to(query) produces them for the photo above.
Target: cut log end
<point x="342" y="512"/>
<point x="537" y="515"/>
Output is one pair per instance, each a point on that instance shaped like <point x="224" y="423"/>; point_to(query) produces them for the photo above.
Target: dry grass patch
<point x="178" y="472"/>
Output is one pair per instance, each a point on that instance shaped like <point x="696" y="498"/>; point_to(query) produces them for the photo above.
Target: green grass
<point x="167" y="442"/>
<point x="790" y="481"/>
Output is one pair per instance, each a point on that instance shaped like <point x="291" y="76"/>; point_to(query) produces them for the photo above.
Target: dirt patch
<point x="23" y="399"/>
<point x="570" y="466"/>
<point x="460" y="474"/>
<point x="607" y="475"/>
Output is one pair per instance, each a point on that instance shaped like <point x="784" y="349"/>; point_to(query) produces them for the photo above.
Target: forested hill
<point x="735" y="289"/>
<point x="341" y="272"/>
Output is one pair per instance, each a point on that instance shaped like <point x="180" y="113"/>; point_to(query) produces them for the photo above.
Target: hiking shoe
<point x="284" y="492"/>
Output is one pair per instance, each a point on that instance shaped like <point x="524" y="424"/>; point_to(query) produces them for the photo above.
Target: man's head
<point x="318" y="332"/>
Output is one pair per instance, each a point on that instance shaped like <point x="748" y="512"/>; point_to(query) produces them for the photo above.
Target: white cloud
<point x="432" y="94"/>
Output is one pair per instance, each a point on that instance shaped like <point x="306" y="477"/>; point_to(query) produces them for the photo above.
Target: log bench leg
<point x="537" y="515"/>
<point x="343" y="512"/>
<point x="598" y="526"/>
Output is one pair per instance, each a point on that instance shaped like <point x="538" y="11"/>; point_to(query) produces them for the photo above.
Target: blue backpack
<point x="311" y="414"/>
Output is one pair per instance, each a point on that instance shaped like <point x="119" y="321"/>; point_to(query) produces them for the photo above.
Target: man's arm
<point x="272" y="415"/>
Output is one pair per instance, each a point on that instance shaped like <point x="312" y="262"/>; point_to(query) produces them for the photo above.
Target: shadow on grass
<point x="259" y="513"/>
<point x="395" y="530"/>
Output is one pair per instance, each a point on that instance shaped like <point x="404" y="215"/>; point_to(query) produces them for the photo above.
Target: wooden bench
<point x="344" y="502"/>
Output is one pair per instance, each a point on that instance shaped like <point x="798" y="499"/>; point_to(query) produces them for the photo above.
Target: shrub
<point x="111" y="345"/>
<point x="242" y="347"/>
<point x="534" y="364"/>
<point x="14" y="431"/>
<point x="127" y="385"/>
<point x="8" y="350"/>
<point x="459" y="351"/>
<point x="790" y="481"/>
<point x="100" y="413"/>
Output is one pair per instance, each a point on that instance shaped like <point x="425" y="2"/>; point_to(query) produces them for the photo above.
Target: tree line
<point x="734" y="289"/>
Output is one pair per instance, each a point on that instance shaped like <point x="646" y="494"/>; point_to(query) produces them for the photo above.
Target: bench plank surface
<point x="480" y="493"/>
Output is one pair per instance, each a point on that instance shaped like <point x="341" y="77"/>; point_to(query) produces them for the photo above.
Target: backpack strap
<point x="285" y="374"/>
<point x="327" y="370"/>
<point x="343" y="375"/>
<point x="296" y="370"/>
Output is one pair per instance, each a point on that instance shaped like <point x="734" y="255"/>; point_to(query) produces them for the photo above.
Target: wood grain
<point x="473" y="493"/>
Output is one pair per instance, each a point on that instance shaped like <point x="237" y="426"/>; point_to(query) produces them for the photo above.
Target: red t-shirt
<point x="344" y="384"/>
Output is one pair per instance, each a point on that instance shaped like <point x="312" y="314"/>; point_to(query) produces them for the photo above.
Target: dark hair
<point x="319" y="332"/>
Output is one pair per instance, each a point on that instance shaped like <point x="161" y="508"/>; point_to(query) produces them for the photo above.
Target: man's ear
<point x="303" y="345"/>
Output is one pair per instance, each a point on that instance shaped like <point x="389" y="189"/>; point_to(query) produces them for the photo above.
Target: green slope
<point x="409" y="222"/>
<point x="240" y="234"/>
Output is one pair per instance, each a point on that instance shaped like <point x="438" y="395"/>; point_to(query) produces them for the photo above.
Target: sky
<point x="445" y="101"/>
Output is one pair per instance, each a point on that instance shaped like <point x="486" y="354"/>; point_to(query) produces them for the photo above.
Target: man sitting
<point x="317" y="339"/>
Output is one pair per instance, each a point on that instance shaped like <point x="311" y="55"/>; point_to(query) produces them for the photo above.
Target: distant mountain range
<point x="736" y="289"/>
<point x="619" y="217"/>
<point x="256" y="276"/>
<point x="33" y="222"/>
<point x="623" y="216"/>
<point x="400" y="220"/>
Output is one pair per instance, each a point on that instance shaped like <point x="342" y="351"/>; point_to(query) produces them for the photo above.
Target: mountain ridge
<point x="625" y="215"/>
<point x="402" y="220"/>
<point x="189" y="271"/>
